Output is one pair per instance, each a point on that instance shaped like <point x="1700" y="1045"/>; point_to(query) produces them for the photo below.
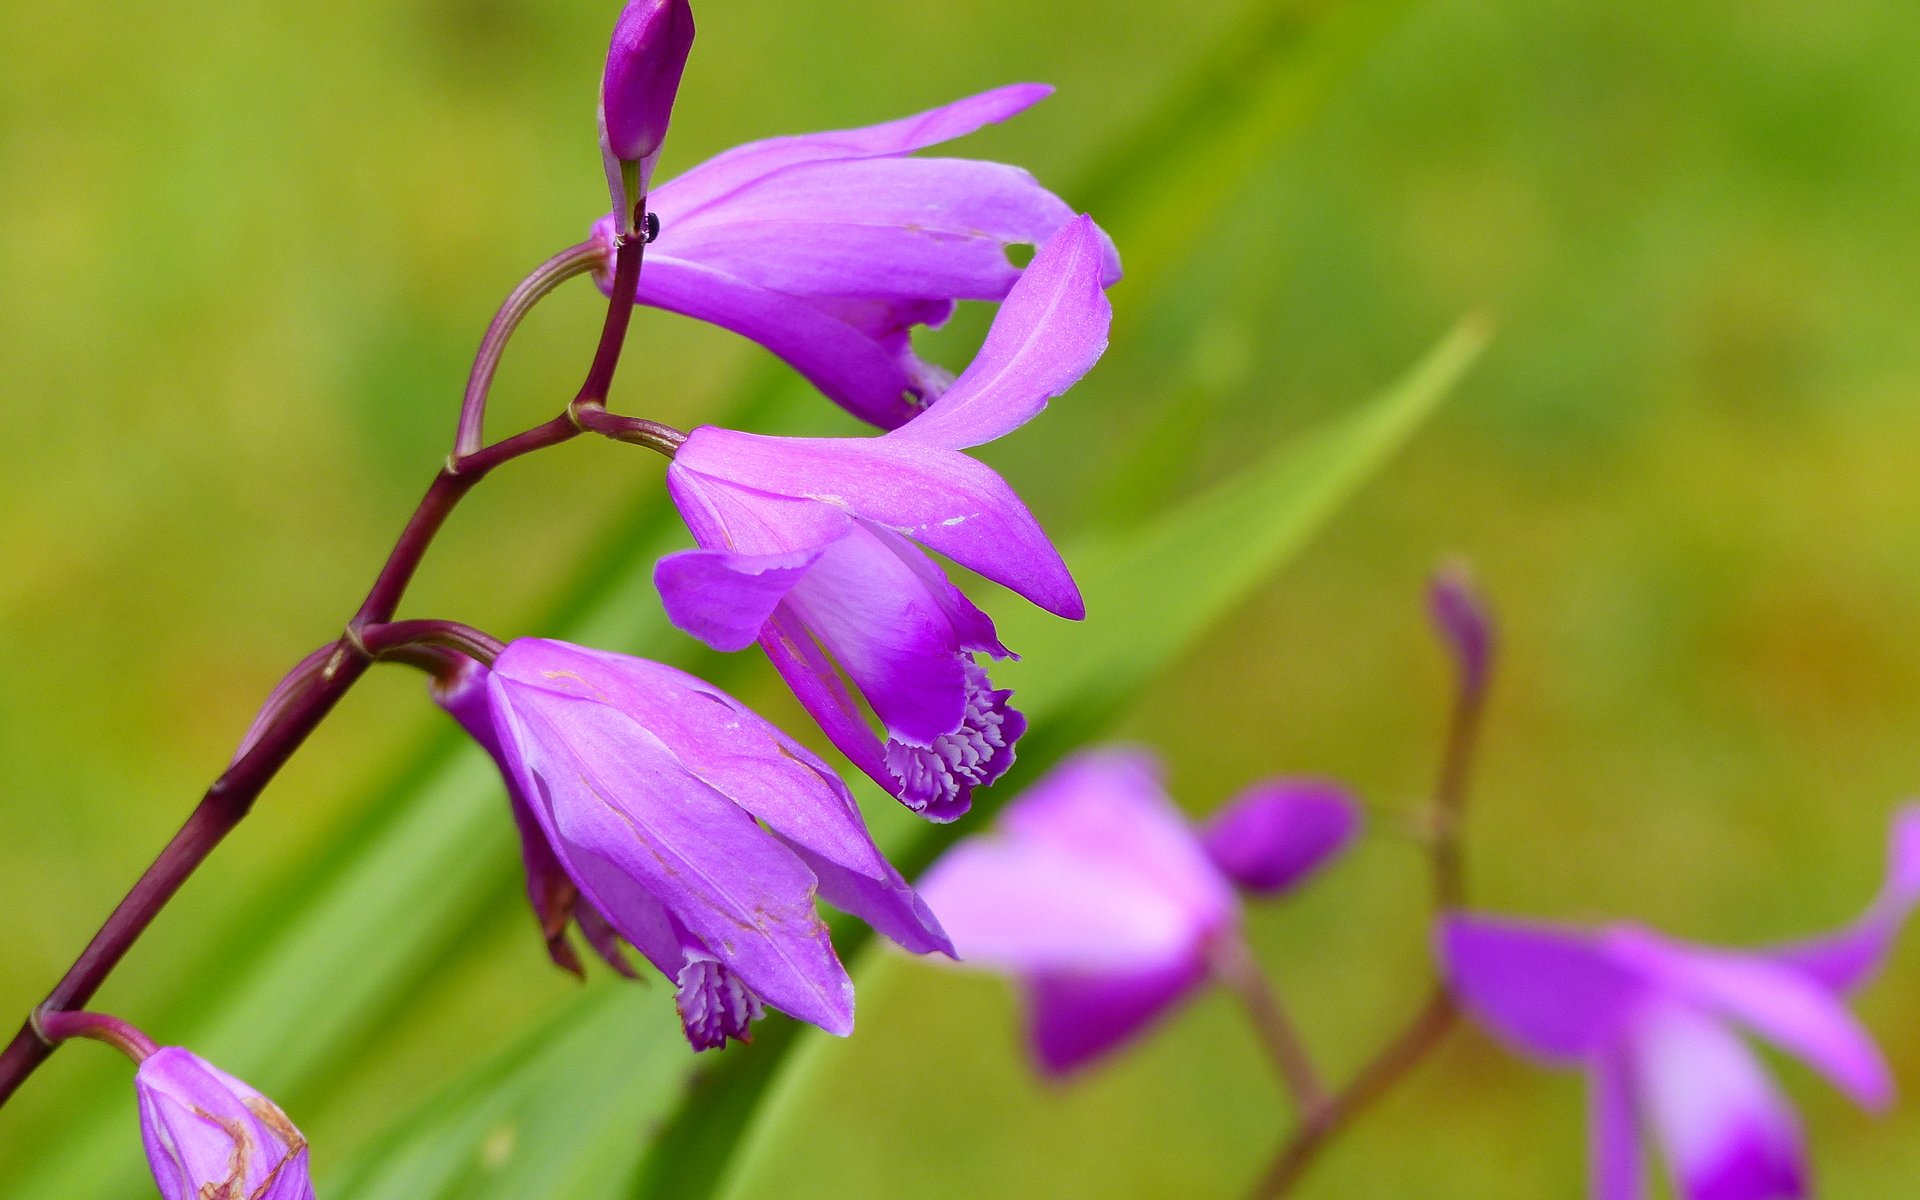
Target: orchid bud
<point x="1463" y="622"/>
<point x="1277" y="833"/>
<point x="209" y="1135"/>
<point x="649" y="52"/>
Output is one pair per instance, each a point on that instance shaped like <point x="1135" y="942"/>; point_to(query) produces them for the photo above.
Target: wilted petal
<point x="1551" y="992"/>
<point x="1049" y="332"/>
<point x="1077" y="1018"/>
<point x="209" y="1135"/>
<point x="1619" y="1168"/>
<point x="946" y="501"/>
<point x="1276" y="833"/>
<point x="722" y="175"/>
<point x="1845" y="960"/>
<point x="1724" y="1128"/>
<point x="1776" y="1001"/>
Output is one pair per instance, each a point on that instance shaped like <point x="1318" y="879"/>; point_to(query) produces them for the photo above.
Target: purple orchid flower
<point x="829" y="248"/>
<point x="813" y="546"/>
<point x="656" y="811"/>
<point x="1653" y="1022"/>
<point x="211" y="1137"/>
<point x="651" y="41"/>
<point x="1107" y="906"/>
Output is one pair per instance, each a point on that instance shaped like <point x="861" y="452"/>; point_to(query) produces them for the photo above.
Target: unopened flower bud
<point x="1463" y="622"/>
<point x="649" y="52"/>
<point x="209" y="1135"/>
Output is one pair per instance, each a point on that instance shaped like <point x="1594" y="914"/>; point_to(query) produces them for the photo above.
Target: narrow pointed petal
<point x="871" y="377"/>
<point x="632" y="824"/>
<point x="1776" y="1001"/>
<point x="946" y="501"/>
<point x="1277" y="833"/>
<point x="1550" y="992"/>
<point x="1619" y="1167"/>
<point x="884" y="228"/>
<point x="1049" y="332"/>
<point x="1075" y="1019"/>
<point x="1843" y="961"/>
<point x="882" y="899"/>
<point x="1726" y="1131"/>
<point x="725" y="599"/>
<point x="720" y="176"/>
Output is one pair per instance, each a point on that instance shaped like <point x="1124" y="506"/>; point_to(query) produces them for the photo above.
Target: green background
<point x="246" y="251"/>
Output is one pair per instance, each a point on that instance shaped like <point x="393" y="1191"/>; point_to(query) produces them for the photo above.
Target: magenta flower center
<point x="714" y="1004"/>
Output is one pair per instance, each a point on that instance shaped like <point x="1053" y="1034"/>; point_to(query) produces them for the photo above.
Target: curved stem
<point x="634" y="431"/>
<point x="232" y="795"/>
<point x="56" y="1027"/>
<point x="396" y="637"/>
<point x="545" y="279"/>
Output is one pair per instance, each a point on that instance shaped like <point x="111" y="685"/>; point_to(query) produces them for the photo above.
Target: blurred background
<point x="247" y="248"/>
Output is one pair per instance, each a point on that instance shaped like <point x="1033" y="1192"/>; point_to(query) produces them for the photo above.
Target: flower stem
<point x="305" y="702"/>
<point x="546" y="278"/>
<point x="56" y="1027"/>
<point x="1437" y="1015"/>
<point x="1234" y="966"/>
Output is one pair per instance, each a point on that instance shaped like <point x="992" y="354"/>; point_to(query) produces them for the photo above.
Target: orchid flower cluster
<point x="656" y="814"/>
<point x="1110" y="910"/>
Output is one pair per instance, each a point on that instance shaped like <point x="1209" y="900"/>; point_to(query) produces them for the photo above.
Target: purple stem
<point x="57" y="1027"/>
<point x="232" y="795"/>
<point x="575" y="260"/>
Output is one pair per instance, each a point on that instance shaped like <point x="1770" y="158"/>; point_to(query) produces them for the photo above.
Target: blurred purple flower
<point x="814" y="547"/>
<point x="651" y="41"/>
<point x="211" y="1137"/>
<point x="1098" y="896"/>
<point x="1653" y="1022"/>
<point x="657" y="811"/>
<point x="829" y="248"/>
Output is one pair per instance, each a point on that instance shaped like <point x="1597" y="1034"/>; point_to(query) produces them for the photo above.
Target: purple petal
<point x="938" y="780"/>
<point x="1619" y="1168"/>
<point x="942" y="499"/>
<point x="820" y="690"/>
<point x="1845" y="960"/>
<point x="1277" y="833"/>
<point x="1051" y="330"/>
<point x="632" y="824"/>
<point x="874" y="615"/>
<point x="1074" y="1019"/>
<point x="886" y="228"/>
<point x="1014" y="906"/>
<point x="1550" y="992"/>
<point x="725" y="599"/>
<point x="882" y="899"/>
<point x="871" y="377"/>
<point x="206" y="1131"/>
<point x="1776" y="1001"/>
<point x="1109" y="808"/>
<point x="713" y="1002"/>
<point x="1726" y="1131"/>
<point x="742" y="165"/>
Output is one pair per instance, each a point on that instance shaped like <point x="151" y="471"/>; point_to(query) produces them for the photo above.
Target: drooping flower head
<point x="817" y="547"/>
<point x="211" y="1137"/>
<point x="651" y="41"/>
<point x="1655" y="1024"/>
<point x="656" y="811"/>
<point x="1107" y="906"/>
<point x="829" y="248"/>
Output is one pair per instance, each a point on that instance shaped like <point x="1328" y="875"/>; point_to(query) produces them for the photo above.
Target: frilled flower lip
<point x="1653" y="1021"/>
<point x="688" y="826"/>
<point x="209" y="1134"/>
<point x="828" y="249"/>
<point x="1097" y="895"/>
